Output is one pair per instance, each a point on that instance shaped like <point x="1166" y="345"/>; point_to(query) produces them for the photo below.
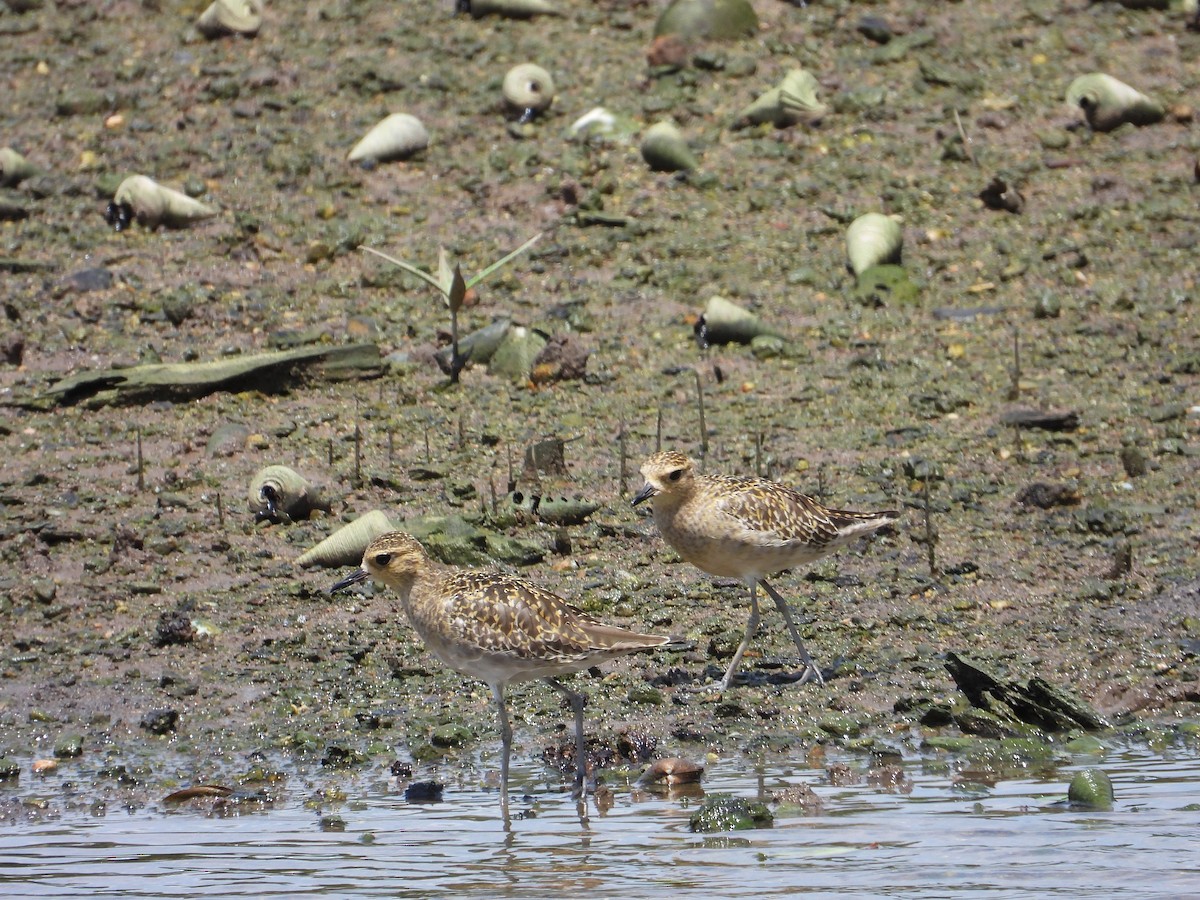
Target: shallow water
<point x="950" y="836"/>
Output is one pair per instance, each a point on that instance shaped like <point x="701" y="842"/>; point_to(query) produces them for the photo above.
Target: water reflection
<point x="1007" y="839"/>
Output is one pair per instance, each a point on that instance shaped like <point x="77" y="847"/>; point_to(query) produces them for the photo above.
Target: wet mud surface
<point x="143" y="611"/>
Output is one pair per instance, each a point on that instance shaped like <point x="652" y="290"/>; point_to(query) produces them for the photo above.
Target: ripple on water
<point x="1005" y="839"/>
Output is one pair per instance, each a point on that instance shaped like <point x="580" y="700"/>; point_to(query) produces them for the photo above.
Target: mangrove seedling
<point x="449" y="282"/>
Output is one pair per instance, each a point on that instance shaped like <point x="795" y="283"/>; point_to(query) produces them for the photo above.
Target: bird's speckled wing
<point x="774" y="512"/>
<point x="507" y="615"/>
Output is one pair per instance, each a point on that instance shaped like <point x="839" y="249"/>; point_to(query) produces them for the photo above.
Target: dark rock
<point x="424" y="792"/>
<point x="160" y="721"/>
<point x="175" y="627"/>
<point x="85" y="280"/>
<point x="339" y="757"/>
<point x="12" y="348"/>
<point x="1134" y="461"/>
<point x="1101" y="520"/>
<point x="1037" y="703"/>
<point x="799" y="797"/>
<point x="1047" y="496"/>
<point x="890" y="778"/>
<point x="999" y="195"/>
<point x="562" y="359"/>
<point x="874" y="28"/>
<point x="546" y="457"/>
<point x="840" y="774"/>
<point x="1062" y="420"/>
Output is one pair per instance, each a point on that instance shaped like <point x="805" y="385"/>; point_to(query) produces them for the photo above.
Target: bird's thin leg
<point x="578" y="701"/>
<point x="751" y="631"/>
<point x="506" y="742"/>
<point x="810" y="667"/>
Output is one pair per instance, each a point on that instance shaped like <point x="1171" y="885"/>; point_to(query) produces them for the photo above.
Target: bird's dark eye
<point x="676" y="475"/>
<point x="382" y="559"/>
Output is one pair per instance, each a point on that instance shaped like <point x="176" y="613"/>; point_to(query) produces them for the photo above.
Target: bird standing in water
<point x="498" y="628"/>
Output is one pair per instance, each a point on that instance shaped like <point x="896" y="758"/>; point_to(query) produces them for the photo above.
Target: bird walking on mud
<point x="747" y="528"/>
<point x="498" y="628"/>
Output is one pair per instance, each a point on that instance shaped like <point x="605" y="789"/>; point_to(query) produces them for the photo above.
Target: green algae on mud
<point x="866" y="404"/>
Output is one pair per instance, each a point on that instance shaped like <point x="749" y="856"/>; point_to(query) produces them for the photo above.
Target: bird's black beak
<point x="353" y="578"/>
<point x="644" y="494"/>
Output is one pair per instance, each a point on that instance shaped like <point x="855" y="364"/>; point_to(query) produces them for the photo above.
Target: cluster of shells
<point x="528" y="91"/>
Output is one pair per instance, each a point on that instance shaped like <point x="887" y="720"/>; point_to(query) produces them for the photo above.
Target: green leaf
<point x="445" y="275"/>
<point x="471" y="282"/>
<point x="410" y="269"/>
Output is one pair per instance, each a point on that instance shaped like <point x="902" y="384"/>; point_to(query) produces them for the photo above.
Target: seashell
<point x="144" y="199"/>
<point x="44" y="766"/>
<point x="602" y="126"/>
<point x="1091" y="789"/>
<point x="709" y="19"/>
<point x="282" y="494"/>
<point x="346" y="545"/>
<point x="225" y="17"/>
<point x="14" y="168"/>
<point x="553" y="510"/>
<point x="1107" y="102"/>
<point x="873" y="240"/>
<point x="510" y="9"/>
<point x="528" y="89"/>
<point x="673" y="770"/>
<point x="196" y="791"/>
<point x="514" y="356"/>
<point x="793" y="100"/>
<point x="399" y="136"/>
<point x="478" y="346"/>
<point x="727" y="323"/>
<point x="665" y="150"/>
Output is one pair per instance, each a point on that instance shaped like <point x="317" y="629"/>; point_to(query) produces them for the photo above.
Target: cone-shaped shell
<point x="709" y="19"/>
<point x="873" y="240"/>
<point x="280" y="493"/>
<point x="515" y="355"/>
<point x="599" y="124"/>
<point x="793" y="100"/>
<point x="1107" y="102"/>
<point x="345" y="546"/>
<point x="665" y="150"/>
<point x="399" y="136"/>
<point x="1091" y="788"/>
<point x="230" y="17"/>
<point x="155" y="205"/>
<point x="528" y="88"/>
<point x="14" y="168"/>
<point x="513" y="9"/>
<point x="553" y="510"/>
<point x="727" y="323"/>
<point x="478" y="346"/>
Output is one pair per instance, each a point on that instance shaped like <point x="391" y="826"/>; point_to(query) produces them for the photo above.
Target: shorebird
<point x="498" y="628"/>
<point x="747" y="528"/>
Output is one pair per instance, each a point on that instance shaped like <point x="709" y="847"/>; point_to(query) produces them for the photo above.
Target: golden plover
<point x="747" y="528"/>
<point x="498" y="628"/>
